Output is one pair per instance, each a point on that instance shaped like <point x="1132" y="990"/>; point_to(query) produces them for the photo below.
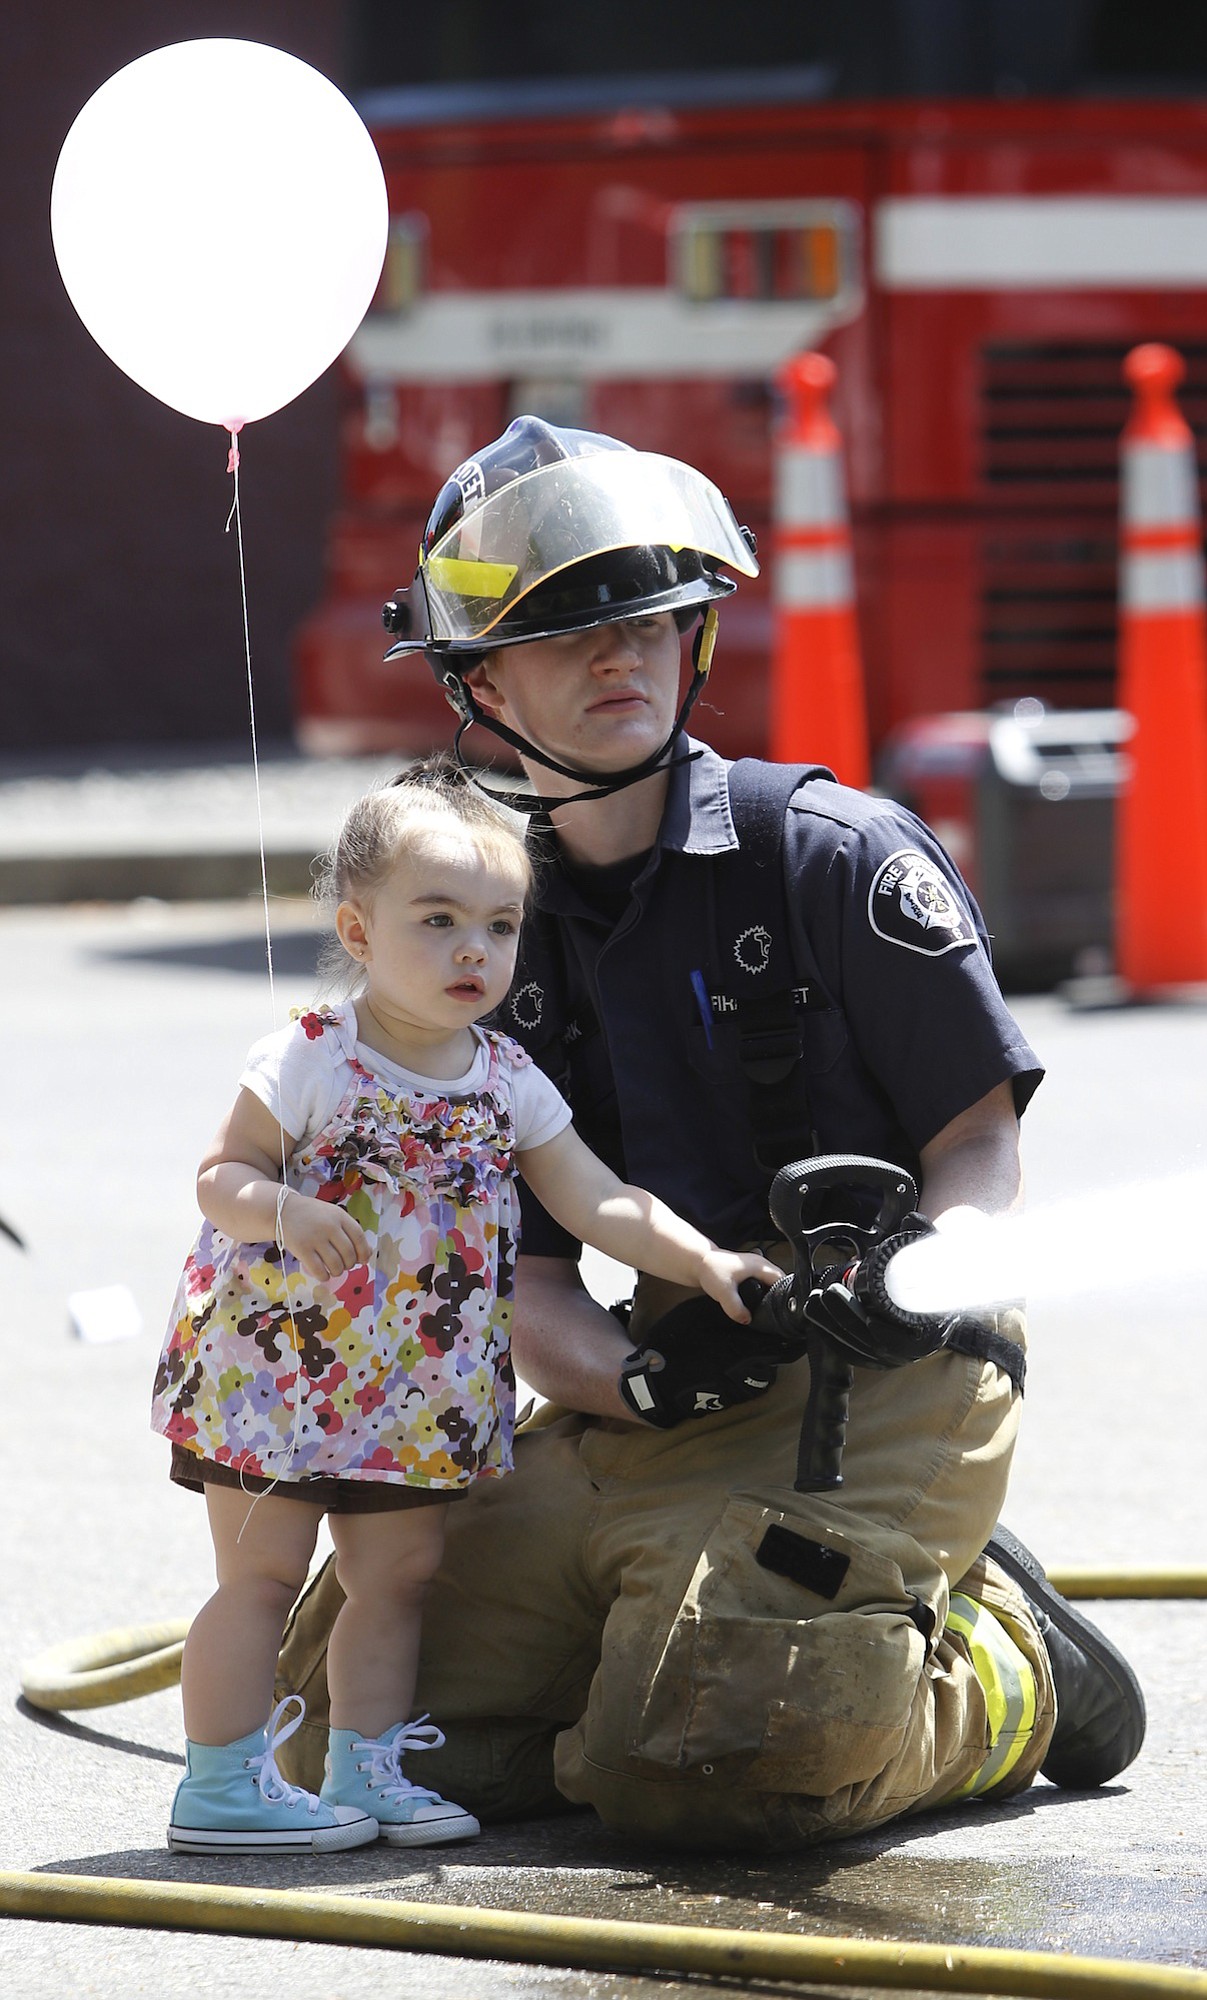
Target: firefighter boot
<point x="1100" y="1707"/>
<point x="367" y="1772"/>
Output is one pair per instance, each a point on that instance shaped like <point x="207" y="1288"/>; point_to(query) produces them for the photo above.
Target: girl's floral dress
<point x="401" y="1367"/>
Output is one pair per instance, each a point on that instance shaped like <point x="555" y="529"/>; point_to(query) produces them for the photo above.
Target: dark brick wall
<point x="120" y="618"/>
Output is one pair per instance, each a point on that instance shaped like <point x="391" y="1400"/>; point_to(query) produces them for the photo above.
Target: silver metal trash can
<point x="1024" y="800"/>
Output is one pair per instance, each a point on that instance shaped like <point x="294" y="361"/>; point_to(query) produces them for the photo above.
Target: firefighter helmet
<point x="548" y="531"/>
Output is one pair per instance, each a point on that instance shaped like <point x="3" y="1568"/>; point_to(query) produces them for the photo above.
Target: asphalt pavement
<point x="132" y="989"/>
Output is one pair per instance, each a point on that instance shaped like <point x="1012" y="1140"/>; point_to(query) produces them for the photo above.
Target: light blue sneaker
<point x="367" y="1772"/>
<point x="233" y="1800"/>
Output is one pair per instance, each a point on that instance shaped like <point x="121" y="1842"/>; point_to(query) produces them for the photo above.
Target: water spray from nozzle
<point x="1098" y="1241"/>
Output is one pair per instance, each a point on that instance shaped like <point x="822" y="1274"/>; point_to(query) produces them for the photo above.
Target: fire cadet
<point x="729" y="967"/>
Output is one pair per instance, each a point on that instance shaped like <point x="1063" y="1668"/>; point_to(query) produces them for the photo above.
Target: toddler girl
<point x="339" y="1341"/>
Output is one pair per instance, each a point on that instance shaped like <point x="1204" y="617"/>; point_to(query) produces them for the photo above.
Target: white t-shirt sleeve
<point x="541" y="1112"/>
<point x="295" y="1078"/>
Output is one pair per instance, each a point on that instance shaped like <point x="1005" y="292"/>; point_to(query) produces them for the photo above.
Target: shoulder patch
<point x="912" y="903"/>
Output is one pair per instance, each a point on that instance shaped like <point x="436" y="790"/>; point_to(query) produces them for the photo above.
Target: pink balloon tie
<point x="232" y="456"/>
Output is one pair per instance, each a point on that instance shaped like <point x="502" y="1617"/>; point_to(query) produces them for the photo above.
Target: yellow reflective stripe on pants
<point x="1008" y="1685"/>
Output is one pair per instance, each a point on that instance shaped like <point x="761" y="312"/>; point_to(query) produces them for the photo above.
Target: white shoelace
<point x="385" y="1760"/>
<point x="274" y="1789"/>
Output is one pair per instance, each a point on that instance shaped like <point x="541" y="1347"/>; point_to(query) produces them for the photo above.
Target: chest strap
<point x="757" y="980"/>
<point x="762" y="981"/>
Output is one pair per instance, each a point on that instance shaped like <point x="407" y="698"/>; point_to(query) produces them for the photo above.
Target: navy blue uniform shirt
<point x="906" y="1028"/>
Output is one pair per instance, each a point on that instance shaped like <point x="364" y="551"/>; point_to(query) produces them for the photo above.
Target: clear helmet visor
<point x="542" y="522"/>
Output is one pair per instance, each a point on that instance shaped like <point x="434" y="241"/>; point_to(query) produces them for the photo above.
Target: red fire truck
<point x="641" y="261"/>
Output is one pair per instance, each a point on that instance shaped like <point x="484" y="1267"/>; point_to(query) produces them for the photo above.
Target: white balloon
<point x="219" y="215"/>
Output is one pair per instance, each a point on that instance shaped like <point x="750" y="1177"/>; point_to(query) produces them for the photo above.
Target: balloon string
<point x="236" y="515"/>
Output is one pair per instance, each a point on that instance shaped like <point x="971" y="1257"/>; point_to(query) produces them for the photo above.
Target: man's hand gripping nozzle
<point x="834" y="1309"/>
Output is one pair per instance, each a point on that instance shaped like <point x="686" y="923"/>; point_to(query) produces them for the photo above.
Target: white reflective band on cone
<point x="804" y="579"/>
<point x="1162" y="580"/>
<point x="1160" y="486"/>
<point x="808" y="489"/>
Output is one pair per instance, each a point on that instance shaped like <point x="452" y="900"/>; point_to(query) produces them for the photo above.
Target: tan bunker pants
<point x="654" y="1623"/>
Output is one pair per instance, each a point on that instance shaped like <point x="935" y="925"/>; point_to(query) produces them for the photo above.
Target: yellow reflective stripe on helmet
<point x="463" y="578"/>
<point x="1008" y="1685"/>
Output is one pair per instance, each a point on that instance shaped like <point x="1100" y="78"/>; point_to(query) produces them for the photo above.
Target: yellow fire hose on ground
<point x="118" y="1666"/>
<point x="588" y="1943"/>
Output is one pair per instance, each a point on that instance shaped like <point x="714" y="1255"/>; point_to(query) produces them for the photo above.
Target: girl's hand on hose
<point x="722" y="1271"/>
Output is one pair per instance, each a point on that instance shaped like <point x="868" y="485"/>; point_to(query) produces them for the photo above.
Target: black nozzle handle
<point x="824" y="1425"/>
<point x="798" y="1190"/>
<point x="823" y="1432"/>
<point x="799" y="1193"/>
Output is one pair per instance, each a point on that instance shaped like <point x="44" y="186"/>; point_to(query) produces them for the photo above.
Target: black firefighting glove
<point x="697" y="1360"/>
<point x="859" y="1320"/>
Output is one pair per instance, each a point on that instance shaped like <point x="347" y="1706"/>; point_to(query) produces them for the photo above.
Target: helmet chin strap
<point x="596" y="787"/>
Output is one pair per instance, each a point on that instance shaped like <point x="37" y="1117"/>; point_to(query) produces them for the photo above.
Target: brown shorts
<point x="333" y="1496"/>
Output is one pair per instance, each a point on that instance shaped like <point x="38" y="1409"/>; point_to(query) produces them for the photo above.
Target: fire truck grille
<point x="1051" y="415"/>
<point x="1052" y="411"/>
<point x="1048" y="616"/>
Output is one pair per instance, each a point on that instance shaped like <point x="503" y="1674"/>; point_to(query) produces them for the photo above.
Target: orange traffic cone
<point x="1161" y="838"/>
<point x="817" y="698"/>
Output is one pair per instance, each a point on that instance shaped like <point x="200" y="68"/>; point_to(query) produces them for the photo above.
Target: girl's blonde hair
<point x="407" y="816"/>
